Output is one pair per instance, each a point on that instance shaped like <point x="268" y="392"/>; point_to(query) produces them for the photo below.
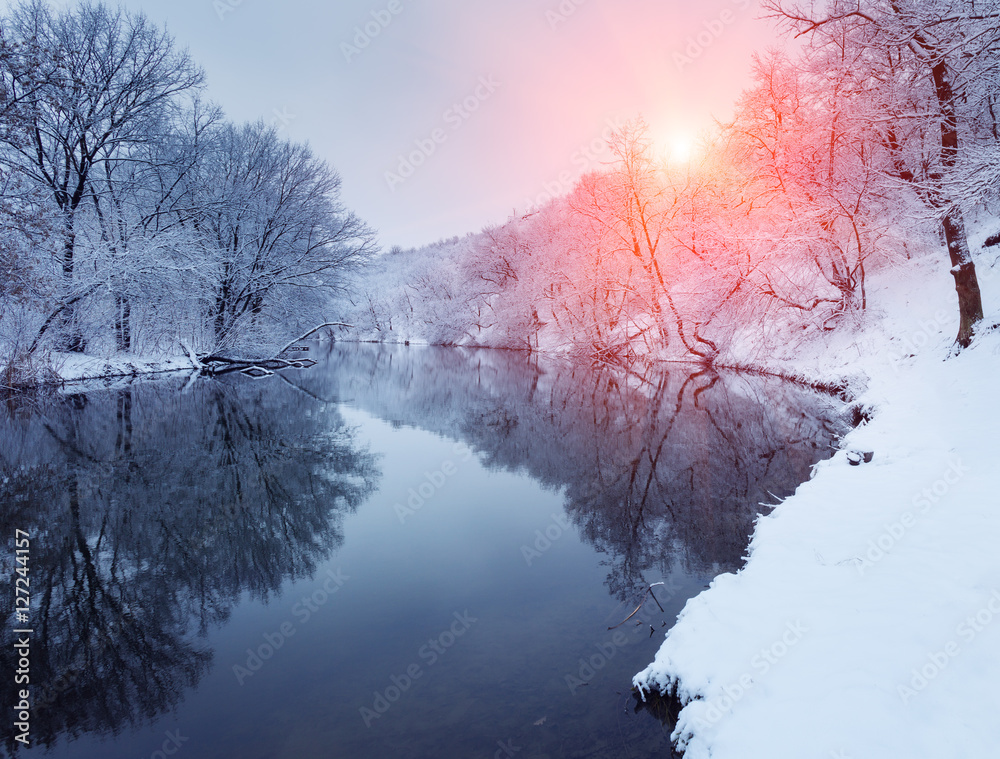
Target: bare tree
<point x="280" y="233"/>
<point x="24" y="224"/>
<point x="145" y="204"/>
<point x="113" y="72"/>
<point x="940" y="49"/>
<point x="812" y="174"/>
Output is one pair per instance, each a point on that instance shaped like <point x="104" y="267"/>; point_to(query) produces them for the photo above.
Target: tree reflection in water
<point x="151" y="512"/>
<point x="153" y="509"/>
<point x="661" y="466"/>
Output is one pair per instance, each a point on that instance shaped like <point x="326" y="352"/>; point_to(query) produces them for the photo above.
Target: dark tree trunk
<point x="123" y="323"/>
<point x="71" y="337"/>
<point x="124" y="442"/>
<point x="970" y="303"/>
<point x="221" y="306"/>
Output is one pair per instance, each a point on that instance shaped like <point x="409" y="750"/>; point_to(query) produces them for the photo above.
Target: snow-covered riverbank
<point x="77" y="367"/>
<point x="80" y="367"/>
<point x="867" y="619"/>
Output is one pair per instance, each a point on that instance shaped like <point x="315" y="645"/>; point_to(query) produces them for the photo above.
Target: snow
<point x="867" y="619"/>
<point x="76" y="367"/>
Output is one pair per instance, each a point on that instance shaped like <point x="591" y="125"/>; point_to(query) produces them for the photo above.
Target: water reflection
<point x="152" y="511"/>
<point x="156" y="508"/>
<point x="662" y="467"/>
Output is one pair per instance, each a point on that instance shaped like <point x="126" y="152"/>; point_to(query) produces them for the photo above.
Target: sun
<point x="673" y="144"/>
<point x="679" y="148"/>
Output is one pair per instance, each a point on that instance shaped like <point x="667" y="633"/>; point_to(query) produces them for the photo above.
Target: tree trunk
<point x="123" y="323"/>
<point x="970" y="303"/>
<point x="71" y="338"/>
<point x="123" y="444"/>
<point x="221" y="304"/>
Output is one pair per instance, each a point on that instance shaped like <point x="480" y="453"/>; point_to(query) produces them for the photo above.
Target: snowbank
<point x="866" y="622"/>
<point x="75" y="367"/>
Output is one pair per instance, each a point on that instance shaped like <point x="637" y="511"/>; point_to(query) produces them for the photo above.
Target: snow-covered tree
<point x="928" y="61"/>
<point x="281" y="239"/>
<point x="107" y="75"/>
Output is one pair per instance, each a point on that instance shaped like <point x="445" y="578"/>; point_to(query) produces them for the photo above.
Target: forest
<point x="137" y="220"/>
<point x="134" y="217"/>
<point x="869" y="145"/>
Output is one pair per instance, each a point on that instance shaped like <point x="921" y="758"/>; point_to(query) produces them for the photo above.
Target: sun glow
<point x="679" y="149"/>
<point x="673" y="146"/>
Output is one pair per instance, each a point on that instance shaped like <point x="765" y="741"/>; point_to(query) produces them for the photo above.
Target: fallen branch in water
<point x="264" y="367"/>
<point x="216" y="365"/>
<point x="649" y="591"/>
<point x="192" y="356"/>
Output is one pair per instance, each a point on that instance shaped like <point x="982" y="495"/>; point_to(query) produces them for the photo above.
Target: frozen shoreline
<point x="866" y="620"/>
<point x="73" y="367"/>
<point x="69" y="368"/>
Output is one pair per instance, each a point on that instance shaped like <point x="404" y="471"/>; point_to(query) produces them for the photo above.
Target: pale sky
<point x="536" y="83"/>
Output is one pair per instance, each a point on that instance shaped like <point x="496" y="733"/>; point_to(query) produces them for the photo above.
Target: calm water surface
<point x="401" y="552"/>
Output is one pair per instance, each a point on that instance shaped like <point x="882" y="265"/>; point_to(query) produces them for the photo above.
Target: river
<point x="401" y="552"/>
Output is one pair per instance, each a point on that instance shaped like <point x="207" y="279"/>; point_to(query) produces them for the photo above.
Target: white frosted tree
<point x="928" y="60"/>
<point x="280" y="237"/>
<point x="107" y="74"/>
